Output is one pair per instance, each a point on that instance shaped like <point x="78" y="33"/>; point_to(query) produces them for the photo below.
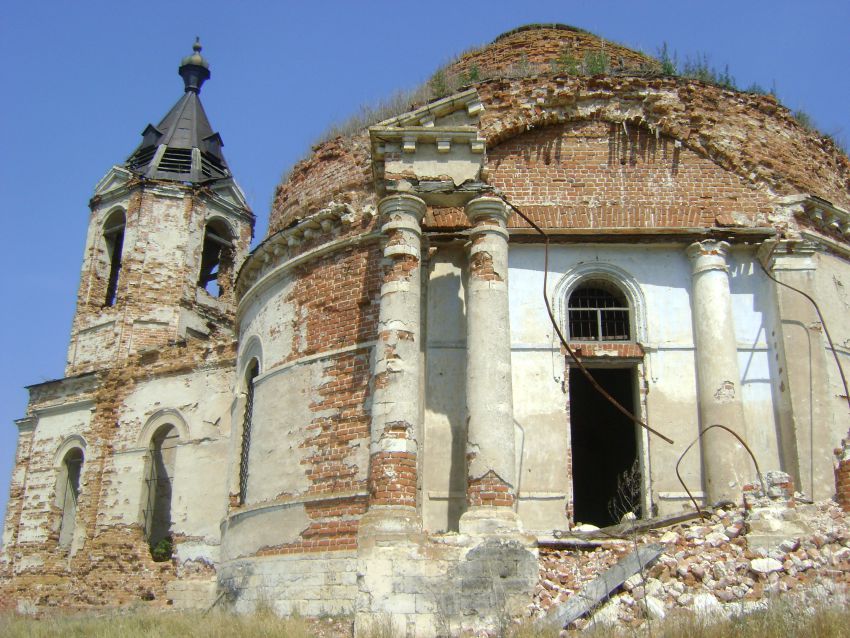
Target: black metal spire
<point x="183" y="146"/>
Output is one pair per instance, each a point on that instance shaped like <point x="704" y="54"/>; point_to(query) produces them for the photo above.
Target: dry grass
<point x="779" y="621"/>
<point x="162" y="624"/>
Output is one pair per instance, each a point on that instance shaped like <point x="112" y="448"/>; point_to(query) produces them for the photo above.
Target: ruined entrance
<point x="605" y="468"/>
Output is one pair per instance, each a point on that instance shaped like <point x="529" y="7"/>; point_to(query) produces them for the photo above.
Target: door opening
<point x="605" y="468"/>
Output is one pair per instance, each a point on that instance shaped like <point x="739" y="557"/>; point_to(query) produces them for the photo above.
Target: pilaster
<point x="805" y="413"/>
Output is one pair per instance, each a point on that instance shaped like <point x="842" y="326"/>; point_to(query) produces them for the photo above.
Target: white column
<point x="396" y="400"/>
<point x="491" y="471"/>
<point x="726" y="465"/>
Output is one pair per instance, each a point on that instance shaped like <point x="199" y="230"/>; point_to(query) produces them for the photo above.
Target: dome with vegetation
<point x="548" y="74"/>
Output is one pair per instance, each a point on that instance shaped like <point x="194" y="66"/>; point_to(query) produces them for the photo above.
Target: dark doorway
<point x="606" y="473"/>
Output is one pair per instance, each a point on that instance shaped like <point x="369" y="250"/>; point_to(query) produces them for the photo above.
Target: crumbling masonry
<point x="370" y="412"/>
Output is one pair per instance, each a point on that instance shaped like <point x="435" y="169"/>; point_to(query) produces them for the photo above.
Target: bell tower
<point x="167" y="232"/>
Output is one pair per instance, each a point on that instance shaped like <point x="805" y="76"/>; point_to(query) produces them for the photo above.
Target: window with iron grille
<point x="253" y="371"/>
<point x="598" y="311"/>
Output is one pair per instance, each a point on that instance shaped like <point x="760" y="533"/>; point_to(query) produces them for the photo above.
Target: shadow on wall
<point x="446" y="393"/>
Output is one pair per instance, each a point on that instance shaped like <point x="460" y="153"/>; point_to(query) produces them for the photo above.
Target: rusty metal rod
<point x="694" y="442"/>
<point x="820" y="317"/>
<point x="560" y="334"/>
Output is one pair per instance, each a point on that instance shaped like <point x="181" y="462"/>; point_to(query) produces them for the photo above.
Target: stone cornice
<point x="281" y="247"/>
<point x="436" y="151"/>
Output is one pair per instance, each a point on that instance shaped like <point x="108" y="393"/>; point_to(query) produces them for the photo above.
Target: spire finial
<point x="194" y="69"/>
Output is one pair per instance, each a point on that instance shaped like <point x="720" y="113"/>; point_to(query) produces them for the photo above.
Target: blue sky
<point x="82" y="79"/>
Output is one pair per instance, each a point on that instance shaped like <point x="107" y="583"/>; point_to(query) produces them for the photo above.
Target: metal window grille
<point x="246" y="438"/>
<point x="596" y="314"/>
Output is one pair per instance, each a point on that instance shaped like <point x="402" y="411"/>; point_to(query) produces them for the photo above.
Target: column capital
<point x="403" y="204"/>
<point x="709" y="254"/>
<point x="484" y="208"/>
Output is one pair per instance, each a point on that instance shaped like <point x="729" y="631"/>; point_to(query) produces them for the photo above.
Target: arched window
<point x="113" y="236"/>
<point x="158" y="486"/>
<point x="67" y="493"/>
<point x="250" y="375"/>
<point x="216" y="258"/>
<point x="598" y="311"/>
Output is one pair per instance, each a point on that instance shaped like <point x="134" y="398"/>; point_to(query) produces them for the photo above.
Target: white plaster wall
<point x="754" y="312"/>
<point x="269" y="526"/>
<point x="51" y="431"/>
<point x="663" y="274"/>
<point x="271" y="318"/>
<point x="199" y="497"/>
<point x="279" y="428"/>
<point x="444" y="440"/>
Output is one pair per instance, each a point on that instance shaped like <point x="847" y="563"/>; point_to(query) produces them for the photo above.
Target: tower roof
<point x="183" y="146"/>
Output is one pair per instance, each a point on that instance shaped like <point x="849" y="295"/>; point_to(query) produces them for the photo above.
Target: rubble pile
<point x="708" y="567"/>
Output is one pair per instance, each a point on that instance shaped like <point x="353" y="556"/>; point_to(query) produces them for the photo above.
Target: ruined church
<point x="373" y="412"/>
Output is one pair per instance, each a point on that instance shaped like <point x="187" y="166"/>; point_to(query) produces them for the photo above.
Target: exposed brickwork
<point x="158" y="276"/>
<point x="481" y="263"/>
<point x="536" y="47"/>
<point x="779" y="153"/>
<point x="333" y="527"/>
<point x="337" y="166"/>
<point x="333" y="438"/>
<point x="489" y="491"/>
<point x="335" y="301"/>
<point x="590" y="350"/>
<point x="593" y="175"/>
<point x="113" y="565"/>
<point x="842" y="475"/>
<point x="779" y="156"/>
<point x="392" y="479"/>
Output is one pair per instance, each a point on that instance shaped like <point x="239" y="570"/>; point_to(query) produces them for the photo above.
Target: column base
<point x="389" y="523"/>
<point x="489" y="520"/>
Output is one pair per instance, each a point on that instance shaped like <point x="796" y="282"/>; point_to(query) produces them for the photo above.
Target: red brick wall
<point x="541" y="46"/>
<point x="113" y="566"/>
<point x="595" y="175"/>
<point x="842" y="484"/>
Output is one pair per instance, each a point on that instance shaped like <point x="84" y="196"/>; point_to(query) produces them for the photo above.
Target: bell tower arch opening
<point x="113" y="236"/>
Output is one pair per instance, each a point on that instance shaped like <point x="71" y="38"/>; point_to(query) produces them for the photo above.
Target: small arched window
<point x="113" y="237"/>
<point x="599" y="311"/>
<point x="250" y="375"/>
<point x="216" y="258"/>
<point x="68" y="492"/>
<point x="158" y="484"/>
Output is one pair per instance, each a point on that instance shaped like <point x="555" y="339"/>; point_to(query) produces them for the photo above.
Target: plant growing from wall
<point x="566" y="63"/>
<point x="596" y="63"/>
<point x="162" y="550"/>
